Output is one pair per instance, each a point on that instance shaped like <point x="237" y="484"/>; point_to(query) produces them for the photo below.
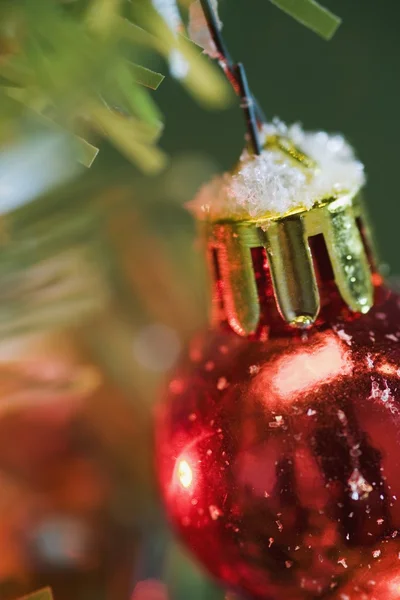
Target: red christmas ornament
<point x="278" y="445"/>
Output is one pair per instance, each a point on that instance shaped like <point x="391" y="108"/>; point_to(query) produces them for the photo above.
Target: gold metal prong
<point x="239" y="284"/>
<point x="292" y="270"/>
<point x="348" y="258"/>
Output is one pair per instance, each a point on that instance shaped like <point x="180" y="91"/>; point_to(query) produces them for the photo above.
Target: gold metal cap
<point x="286" y="241"/>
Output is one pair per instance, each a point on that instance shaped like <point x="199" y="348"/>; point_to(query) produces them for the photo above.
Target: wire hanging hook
<point x="236" y="74"/>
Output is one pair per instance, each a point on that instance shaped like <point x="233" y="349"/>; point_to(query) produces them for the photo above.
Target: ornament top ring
<point x="286" y="241"/>
<point x="338" y="218"/>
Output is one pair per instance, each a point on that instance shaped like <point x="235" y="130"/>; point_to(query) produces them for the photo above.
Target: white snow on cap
<point x="273" y="183"/>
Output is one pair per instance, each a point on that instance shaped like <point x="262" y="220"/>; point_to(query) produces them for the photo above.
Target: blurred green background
<point x="350" y="85"/>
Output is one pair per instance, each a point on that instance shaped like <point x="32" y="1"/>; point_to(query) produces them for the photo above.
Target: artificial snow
<point x="274" y="183"/>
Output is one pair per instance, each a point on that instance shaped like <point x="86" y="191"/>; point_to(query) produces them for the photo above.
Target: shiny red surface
<point x="279" y="456"/>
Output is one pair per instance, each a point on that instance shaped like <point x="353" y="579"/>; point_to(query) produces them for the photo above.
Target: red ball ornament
<point x="278" y="445"/>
